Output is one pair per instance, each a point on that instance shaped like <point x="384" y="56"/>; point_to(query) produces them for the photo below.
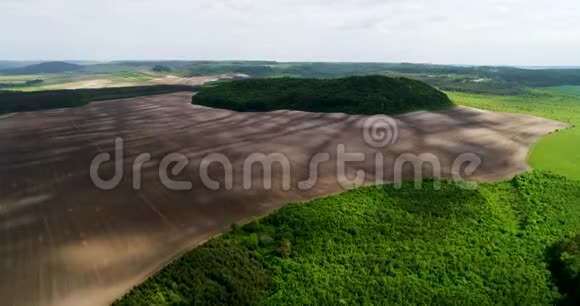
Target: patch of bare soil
<point x="200" y="80"/>
<point x="96" y="83"/>
<point x="169" y="80"/>
<point x="65" y="242"/>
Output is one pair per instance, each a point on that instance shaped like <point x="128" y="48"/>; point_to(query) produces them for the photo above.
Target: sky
<point x="477" y="32"/>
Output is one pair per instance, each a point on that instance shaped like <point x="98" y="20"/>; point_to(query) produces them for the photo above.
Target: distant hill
<point x="15" y="64"/>
<point x="47" y="67"/>
<point x="353" y="95"/>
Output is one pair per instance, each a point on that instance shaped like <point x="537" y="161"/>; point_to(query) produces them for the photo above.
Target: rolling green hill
<point x="353" y="95"/>
<point x="14" y="64"/>
<point x="42" y="68"/>
<point x="501" y="244"/>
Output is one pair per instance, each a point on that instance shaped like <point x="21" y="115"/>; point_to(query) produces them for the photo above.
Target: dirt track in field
<point x="65" y="242"/>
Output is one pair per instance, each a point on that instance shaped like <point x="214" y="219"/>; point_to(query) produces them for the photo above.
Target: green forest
<point x="507" y="243"/>
<point x="353" y="95"/>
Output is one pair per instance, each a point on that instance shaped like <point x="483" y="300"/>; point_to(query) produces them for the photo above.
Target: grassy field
<point x="558" y="152"/>
<point x="78" y="80"/>
<point x="380" y="245"/>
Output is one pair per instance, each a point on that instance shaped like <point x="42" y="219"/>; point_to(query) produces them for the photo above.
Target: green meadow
<point x="65" y="80"/>
<point x="558" y="152"/>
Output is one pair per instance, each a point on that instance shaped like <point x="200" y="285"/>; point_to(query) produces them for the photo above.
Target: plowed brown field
<point x="65" y="242"/>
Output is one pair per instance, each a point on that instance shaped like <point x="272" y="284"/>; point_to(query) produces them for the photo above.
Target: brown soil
<point x="199" y="80"/>
<point x="65" y="242"/>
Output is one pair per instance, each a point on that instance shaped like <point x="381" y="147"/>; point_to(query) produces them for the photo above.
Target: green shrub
<point x="266" y="240"/>
<point x="285" y="248"/>
<point x="161" y="68"/>
<point x="252" y="242"/>
<point x="564" y="261"/>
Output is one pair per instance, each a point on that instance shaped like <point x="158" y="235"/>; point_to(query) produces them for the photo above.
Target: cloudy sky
<point x="500" y="32"/>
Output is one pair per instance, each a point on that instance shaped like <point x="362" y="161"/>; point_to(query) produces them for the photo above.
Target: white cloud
<point x="533" y="32"/>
